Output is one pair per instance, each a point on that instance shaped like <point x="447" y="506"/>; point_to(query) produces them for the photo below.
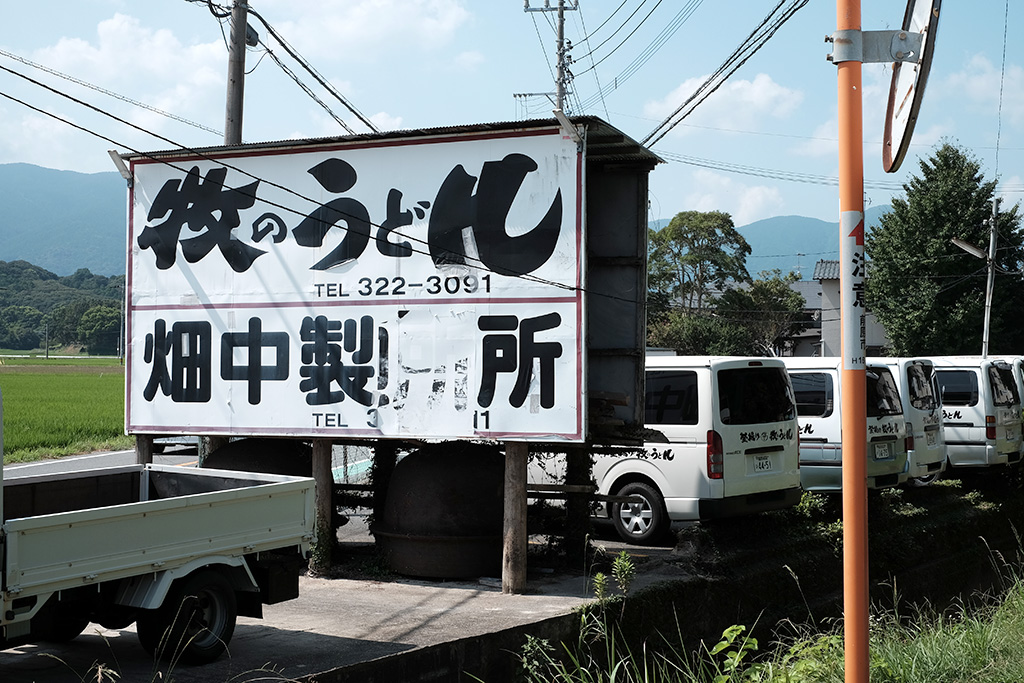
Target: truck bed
<point x="79" y="528"/>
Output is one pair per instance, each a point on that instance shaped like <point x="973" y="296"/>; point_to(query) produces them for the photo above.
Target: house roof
<point x="826" y="270"/>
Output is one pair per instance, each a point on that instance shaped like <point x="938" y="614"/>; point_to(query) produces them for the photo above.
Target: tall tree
<point x="695" y="255"/>
<point x="98" y="329"/>
<point x="770" y="309"/>
<point x="927" y="293"/>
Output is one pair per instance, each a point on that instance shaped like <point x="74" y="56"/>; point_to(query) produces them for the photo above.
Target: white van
<point x="818" y="404"/>
<point x="722" y="441"/>
<point x="980" y="409"/>
<point x="926" y="442"/>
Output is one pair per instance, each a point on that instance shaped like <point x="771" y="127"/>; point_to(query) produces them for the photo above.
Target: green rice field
<point x="61" y="406"/>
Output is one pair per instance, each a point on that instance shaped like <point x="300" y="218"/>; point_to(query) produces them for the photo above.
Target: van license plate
<point x="882" y="451"/>
<point x="931" y="438"/>
<point x="762" y="463"/>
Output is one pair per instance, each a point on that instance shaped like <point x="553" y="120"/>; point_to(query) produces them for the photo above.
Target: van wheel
<point x="195" y="622"/>
<point x="643" y="523"/>
<point x="925" y="480"/>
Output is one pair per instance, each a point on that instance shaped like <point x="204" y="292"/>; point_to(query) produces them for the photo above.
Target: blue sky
<point x="425" y="63"/>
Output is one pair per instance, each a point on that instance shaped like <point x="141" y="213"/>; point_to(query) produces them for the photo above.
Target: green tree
<point x="692" y="256"/>
<point x="927" y="293"/>
<point x="64" y="320"/>
<point x="770" y="309"/>
<point x="99" y="329"/>
<point x="19" y="327"/>
<point x="692" y="333"/>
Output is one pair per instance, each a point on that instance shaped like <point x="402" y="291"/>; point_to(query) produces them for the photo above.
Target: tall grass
<point x="59" y="410"/>
<point x="977" y="643"/>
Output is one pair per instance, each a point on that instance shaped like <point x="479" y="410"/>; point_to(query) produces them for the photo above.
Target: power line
<point x="747" y="49"/>
<point x="109" y="93"/>
<point x="306" y="89"/>
<point x="646" y="54"/>
<point x="469" y="261"/>
<point x="313" y="72"/>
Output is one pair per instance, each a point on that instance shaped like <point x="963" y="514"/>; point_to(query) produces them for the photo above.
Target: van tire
<point x="927" y="479"/>
<point x="640" y="524"/>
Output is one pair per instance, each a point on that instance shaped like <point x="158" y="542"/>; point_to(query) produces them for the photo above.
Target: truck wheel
<point x="66" y="628"/>
<point x="643" y="523"/>
<point x="195" y="622"/>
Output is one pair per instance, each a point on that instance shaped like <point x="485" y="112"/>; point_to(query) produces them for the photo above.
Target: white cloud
<point x="367" y="30"/>
<point x="737" y="104"/>
<point x="978" y="84"/>
<point x="745" y="203"/>
<point x="469" y="61"/>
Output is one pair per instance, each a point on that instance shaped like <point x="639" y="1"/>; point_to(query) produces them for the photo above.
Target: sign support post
<point x="854" y="431"/>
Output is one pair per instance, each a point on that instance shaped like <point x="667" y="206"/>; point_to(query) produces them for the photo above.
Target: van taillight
<point x="716" y="455"/>
<point x="990" y="427"/>
<point x="908" y="441"/>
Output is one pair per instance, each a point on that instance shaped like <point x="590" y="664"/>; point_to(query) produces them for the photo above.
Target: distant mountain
<point x="62" y="220"/>
<point x="792" y="243"/>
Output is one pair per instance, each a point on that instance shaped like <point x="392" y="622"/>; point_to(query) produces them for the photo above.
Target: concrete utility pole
<point x="990" y="285"/>
<point x="562" y="54"/>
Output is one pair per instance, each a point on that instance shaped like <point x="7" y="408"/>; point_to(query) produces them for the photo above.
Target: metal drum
<point x="444" y="510"/>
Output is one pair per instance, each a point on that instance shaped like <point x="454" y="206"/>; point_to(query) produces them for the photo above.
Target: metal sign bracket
<point x="875" y="47"/>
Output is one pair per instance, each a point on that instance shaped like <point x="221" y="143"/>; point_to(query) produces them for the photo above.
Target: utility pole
<point x="232" y="135"/>
<point x="561" y="52"/>
<point x="990" y="285"/>
<point x="236" y="74"/>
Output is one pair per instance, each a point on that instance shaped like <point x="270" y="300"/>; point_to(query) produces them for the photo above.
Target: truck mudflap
<point x="148" y="591"/>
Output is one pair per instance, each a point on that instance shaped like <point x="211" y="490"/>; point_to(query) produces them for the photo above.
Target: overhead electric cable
<point x="645" y="56"/>
<point x="469" y="261"/>
<point x="754" y="42"/>
<point x="631" y="34"/>
<point x="313" y="72"/>
<point x="306" y="89"/>
<point x="109" y="93"/>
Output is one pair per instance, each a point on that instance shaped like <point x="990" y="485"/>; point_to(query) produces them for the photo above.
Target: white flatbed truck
<point x="178" y="551"/>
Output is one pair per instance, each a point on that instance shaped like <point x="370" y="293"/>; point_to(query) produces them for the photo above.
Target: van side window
<point x="814" y="393"/>
<point x="671" y="397"/>
<point x="919" y="381"/>
<point x="749" y="396"/>
<point x="883" y="397"/>
<point x="958" y="387"/>
<point x="1004" y="387"/>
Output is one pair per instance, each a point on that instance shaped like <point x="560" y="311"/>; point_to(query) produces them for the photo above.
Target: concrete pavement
<point x="340" y="626"/>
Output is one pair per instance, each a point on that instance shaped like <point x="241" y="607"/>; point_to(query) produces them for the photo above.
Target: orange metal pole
<point x="854" y="434"/>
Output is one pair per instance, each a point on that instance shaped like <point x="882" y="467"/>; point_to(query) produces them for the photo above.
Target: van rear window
<point x="670" y="397"/>
<point x="882" y="395"/>
<point x="919" y="382"/>
<point x="958" y="387"/>
<point x="815" y="396"/>
<point x="1004" y="387"/>
<point x="750" y="396"/>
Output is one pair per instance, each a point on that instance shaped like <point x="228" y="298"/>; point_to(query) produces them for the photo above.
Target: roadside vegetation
<point x="61" y="406"/>
<point x="977" y="638"/>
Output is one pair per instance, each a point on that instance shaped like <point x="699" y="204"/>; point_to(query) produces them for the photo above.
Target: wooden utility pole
<point x="320" y="558"/>
<point x="514" y="540"/>
<point x="236" y="74"/>
<point x="232" y="135"/>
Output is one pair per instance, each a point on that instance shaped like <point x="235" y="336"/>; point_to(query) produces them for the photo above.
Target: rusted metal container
<point x="443" y="514"/>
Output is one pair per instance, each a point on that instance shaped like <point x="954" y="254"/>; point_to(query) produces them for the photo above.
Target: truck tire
<point x="643" y="523"/>
<point x="195" y="622"/>
<point x="66" y="628"/>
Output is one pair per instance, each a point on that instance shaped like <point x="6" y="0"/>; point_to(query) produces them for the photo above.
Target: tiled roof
<point x="826" y="270"/>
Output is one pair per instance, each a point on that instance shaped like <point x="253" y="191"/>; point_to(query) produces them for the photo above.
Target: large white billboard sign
<point x="425" y="288"/>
